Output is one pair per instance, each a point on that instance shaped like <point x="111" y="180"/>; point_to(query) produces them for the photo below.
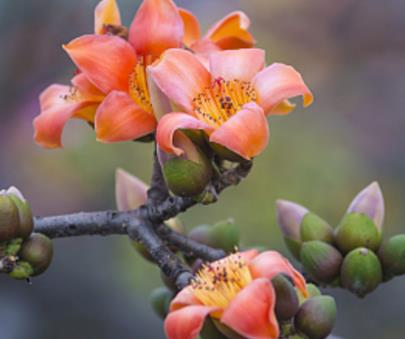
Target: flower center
<point x="138" y="84"/>
<point x="217" y="283"/>
<point x="218" y="102"/>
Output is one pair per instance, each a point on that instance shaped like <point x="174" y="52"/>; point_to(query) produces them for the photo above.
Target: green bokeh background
<point x="351" y="54"/>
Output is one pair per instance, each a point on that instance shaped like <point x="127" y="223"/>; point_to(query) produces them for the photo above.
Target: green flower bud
<point x="210" y="331"/>
<point x="392" y="256"/>
<point x="160" y="299"/>
<point x="315" y="228"/>
<point x="224" y="235"/>
<point x="321" y="260"/>
<point x="313" y="291"/>
<point x="357" y="230"/>
<point x="189" y="174"/>
<point x="226" y="331"/>
<point x="38" y="251"/>
<point x="316" y="317"/>
<point x="294" y="246"/>
<point x="22" y="270"/>
<point x="9" y="220"/>
<point x="26" y="224"/>
<point x="287" y="303"/>
<point x="361" y="271"/>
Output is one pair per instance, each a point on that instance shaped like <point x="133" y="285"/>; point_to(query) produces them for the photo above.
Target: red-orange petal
<point x="246" y="133"/>
<point x="180" y="76"/>
<point x="187" y="322"/>
<point x="56" y="110"/>
<point x="119" y="118"/>
<point x="106" y="13"/>
<point x="277" y="83"/>
<point x="157" y="26"/>
<point x="86" y="88"/>
<point x="107" y="61"/>
<point x="191" y="27"/>
<point x="270" y="263"/>
<point x="172" y="122"/>
<point x="231" y="32"/>
<point x="184" y="298"/>
<point x="251" y="314"/>
<point x="241" y="64"/>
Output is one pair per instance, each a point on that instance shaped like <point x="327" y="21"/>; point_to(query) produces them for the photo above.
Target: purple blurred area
<point x="351" y="54"/>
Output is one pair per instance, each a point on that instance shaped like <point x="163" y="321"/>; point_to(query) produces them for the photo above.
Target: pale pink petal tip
<point x="289" y="218"/>
<point x="130" y="192"/>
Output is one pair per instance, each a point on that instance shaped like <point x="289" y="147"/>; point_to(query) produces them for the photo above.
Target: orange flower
<point x="231" y="32"/>
<point x="229" y="101"/>
<point x="116" y="68"/>
<point x="237" y="292"/>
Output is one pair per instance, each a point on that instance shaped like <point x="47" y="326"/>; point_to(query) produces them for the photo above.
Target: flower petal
<point x="157" y="26"/>
<point x="106" y="13"/>
<point x="191" y="27"/>
<point x="119" y="119"/>
<point x="181" y="76"/>
<point x="184" y="298"/>
<point x="232" y="32"/>
<point x="277" y="83"/>
<point x="187" y="322"/>
<point x="251" y="313"/>
<point x="86" y="88"/>
<point x="246" y="133"/>
<point x="56" y="110"/>
<point x="130" y="192"/>
<point x="172" y="122"/>
<point x="270" y="263"/>
<point x="107" y="61"/>
<point x="241" y="64"/>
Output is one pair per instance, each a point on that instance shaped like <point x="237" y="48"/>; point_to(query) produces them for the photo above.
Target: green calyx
<point x="321" y="260"/>
<point x="38" y="251"/>
<point x="9" y="219"/>
<point x="357" y="230"/>
<point x="316" y="317"/>
<point x="287" y="302"/>
<point x="392" y="256"/>
<point x="315" y="228"/>
<point x="22" y="270"/>
<point x="160" y="299"/>
<point x="187" y="178"/>
<point x="26" y="220"/>
<point x="361" y="271"/>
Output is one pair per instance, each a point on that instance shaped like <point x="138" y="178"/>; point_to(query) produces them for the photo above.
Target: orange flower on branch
<point x="230" y="101"/>
<point x="236" y="292"/>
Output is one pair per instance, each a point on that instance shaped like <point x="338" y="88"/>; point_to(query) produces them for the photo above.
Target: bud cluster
<point x="23" y="254"/>
<point x="352" y="255"/>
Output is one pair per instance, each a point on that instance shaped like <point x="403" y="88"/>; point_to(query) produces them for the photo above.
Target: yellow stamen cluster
<point x="138" y="84"/>
<point x="217" y="283"/>
<point x="217" y="103"/>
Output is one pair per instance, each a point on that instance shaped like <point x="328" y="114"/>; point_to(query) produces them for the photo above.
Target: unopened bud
<point x="189" y="174"/>
<point x="287" y="302"/>
<point x="9" y="219"/>
<point x="370" y="201"/>
<point x="312" y="290"/>
<point x="160" y="299"/>
<point x="361" y="271"/>
<point x="38" y="251"/>
<point x="357" y="230"/>
<point x="321" y="260"/>
<point x="26" y="221"/>
<point x="210" y="330"/>
<point x="289" y="218"/>
<point x="315" y="228"/>
<point x="392" y="256"/>
<point x="22" y="270"/>
<point x="316" y="317"/>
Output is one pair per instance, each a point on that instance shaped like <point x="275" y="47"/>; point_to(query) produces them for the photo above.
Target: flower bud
<point x="160" y="299"/>
<point x="37" y="251"/>
<point x="26" y="220"/>
<point x="210" y="330"/>
<point x="357" y="230"/>
<point x="321" y="260"/>
<point x="361" y="271"/>
<point x="287" y="303"/>
<point x="9" y="220"/>
<point x="370" y="201"/>
<point x="223" y="235"/>
<point x="315" y="228"/>
<point x="392" y="256"/>
<point x="22" y="270"/>
<point x="312" y="290"/>
<point x="289" y="218"/>
<point x="316" y="317"/>
<point x="189" y="174"/>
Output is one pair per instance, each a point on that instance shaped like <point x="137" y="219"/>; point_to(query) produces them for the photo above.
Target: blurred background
<point x="351" y="54"/>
